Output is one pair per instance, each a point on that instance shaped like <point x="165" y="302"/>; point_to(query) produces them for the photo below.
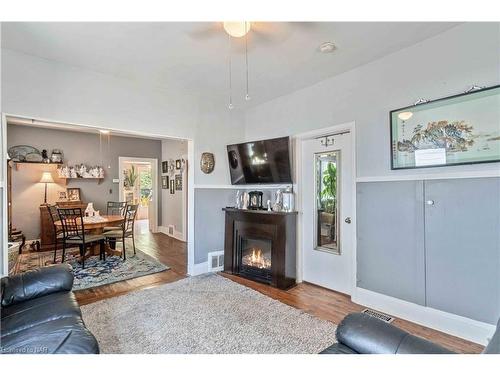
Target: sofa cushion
<point x="61" y="336"/>
<point x="39" y="310"/>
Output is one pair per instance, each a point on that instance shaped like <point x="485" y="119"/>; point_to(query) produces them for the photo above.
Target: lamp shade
<point x="47" y="178"/>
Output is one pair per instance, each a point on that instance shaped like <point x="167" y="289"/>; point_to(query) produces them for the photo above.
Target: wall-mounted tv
<point x="260" y="162"/>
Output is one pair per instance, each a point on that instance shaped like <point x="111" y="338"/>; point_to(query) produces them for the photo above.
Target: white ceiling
<point x="193" y="57"/>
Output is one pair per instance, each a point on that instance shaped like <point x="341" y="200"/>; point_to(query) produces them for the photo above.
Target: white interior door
<point x="327" y="228"/>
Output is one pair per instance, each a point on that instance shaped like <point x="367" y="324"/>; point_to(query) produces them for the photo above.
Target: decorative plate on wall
<point x="24" y="153"/>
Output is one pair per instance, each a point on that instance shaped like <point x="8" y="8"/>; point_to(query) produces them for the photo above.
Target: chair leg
<point x="55" y="249"/>
<point x="63" y="252"/>
<point x="133" y="242"/>
<point x="102" y="250"/>
<point x="82" y="254"/>
<point x="124" y="251"/>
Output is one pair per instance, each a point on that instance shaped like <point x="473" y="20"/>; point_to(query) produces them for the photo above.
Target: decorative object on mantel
<point x="459" y="129"/>
<point x="73" y="194"/>
<point x="164" y="182"/>
<point x="245" y="200"/>
<point x="255" y="200"/>
<point x="288" y="200"/>
<point x="269" y="205"/>
<point x="56" y="156"/>
<point x="207" y="162"/>
<point x="178" y="182"/>
<point x="46" y="179"/>
<point x="238" y="199"/>
<point x="278" y="203"/>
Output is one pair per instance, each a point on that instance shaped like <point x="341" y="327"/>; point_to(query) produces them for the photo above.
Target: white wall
<point x="446" y="64"/>
<point x="44" y="89"/>
<point x="173" y="210"/>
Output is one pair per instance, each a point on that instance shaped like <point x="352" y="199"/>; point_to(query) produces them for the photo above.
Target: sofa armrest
<point x="36" y="283"/>
<point x="367" y="335"/>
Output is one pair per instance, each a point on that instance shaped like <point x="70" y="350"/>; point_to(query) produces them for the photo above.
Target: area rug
<point x="96" y="271"/>
<point x="204" y="314"/>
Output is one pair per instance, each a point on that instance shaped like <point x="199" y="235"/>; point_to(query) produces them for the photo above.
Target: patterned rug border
<point x="157" y="265"/>
<point x="139" y="274"/>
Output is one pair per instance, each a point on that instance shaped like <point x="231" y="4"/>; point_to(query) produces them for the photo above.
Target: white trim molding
<point x="432" y="176"/>
<point x="452" y="324"/>
<point x="244" y="187"/>
<point x="177" y="235"/>
<point x="199" y="269"/>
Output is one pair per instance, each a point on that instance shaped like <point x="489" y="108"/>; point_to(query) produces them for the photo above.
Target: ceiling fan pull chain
<point x="230" y="106"/>
<point x="247" y="96"/>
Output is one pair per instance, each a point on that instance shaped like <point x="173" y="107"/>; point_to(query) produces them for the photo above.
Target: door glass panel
<point x="327" y="199"/>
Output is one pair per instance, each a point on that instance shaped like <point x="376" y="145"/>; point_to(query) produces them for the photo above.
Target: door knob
<point x="348" y="220"/>
<point x="430" y="202"/>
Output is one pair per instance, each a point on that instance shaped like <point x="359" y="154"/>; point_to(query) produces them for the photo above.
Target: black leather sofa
<point x="362" y="334"/>
<point x="40" y="315"/>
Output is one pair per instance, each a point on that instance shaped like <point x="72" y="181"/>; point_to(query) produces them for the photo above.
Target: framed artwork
<point x="73" y="194"/>
<point x="459" y="129"/>
<point x="164" y="182"/>
<point x="172" y="187"/>
<point x="63" y="196"/>
<point x="164" y="167"/>
<point x="178" y="182"/>
<point x="178" y="164"/>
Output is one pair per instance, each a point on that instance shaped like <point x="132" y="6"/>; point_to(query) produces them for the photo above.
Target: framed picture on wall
<point x="73" y="194"/>
<point x="63" y="196"/>
<point x="178" y="182"/>
<point x="164" y="182"/>
<point x="178" y="164"/>
<point x="459" y="129"/>
<point x="164" y="167"/>
<point x="172" y="187"/>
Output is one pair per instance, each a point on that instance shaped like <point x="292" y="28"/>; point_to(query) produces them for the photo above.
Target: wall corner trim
<point x="452" y="324"/>
<point x="199" y="269"/>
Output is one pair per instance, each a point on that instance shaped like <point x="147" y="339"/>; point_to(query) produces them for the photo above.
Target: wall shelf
<point x="65" y="179"/>
<point x="16" y="163"/>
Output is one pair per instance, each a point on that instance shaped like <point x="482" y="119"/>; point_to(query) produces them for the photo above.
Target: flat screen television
<point x="260" y="162"/>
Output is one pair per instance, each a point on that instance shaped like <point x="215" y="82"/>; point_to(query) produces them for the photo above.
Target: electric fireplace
<point x="260" y="245"/>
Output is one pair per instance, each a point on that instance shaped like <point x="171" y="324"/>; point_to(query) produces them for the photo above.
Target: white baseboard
<point x="452" y="324"/>
<point x="177" y="235"/>
<point x="199" y="269"/>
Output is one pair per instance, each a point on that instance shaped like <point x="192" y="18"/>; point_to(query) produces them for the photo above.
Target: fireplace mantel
<point x="277" y="228"/>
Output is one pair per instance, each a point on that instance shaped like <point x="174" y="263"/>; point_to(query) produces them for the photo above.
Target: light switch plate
<point x="116" y="180"/>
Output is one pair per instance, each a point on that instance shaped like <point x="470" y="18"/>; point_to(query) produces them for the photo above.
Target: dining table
<point x="96" y="225"/>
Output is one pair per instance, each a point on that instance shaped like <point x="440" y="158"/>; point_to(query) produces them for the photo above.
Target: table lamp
<point x="46" y="179"/>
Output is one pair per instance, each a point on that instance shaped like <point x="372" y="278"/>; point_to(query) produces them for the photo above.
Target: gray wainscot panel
<point x="390" y="240"/>
<point x="209" y="220"/>
<point x="462" y="219"/>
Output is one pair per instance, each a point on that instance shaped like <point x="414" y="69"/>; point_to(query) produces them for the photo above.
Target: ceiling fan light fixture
<point x="237" y="29"/>
<point x="327" y="47"/>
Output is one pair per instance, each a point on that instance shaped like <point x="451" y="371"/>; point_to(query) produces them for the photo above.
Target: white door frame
<point x="58" y="124"/>
<point x="3" y="184"/>
<point x="298" y="142"/>
<point x="154" y="178"/>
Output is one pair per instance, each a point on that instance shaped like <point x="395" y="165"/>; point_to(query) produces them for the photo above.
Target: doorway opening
<point x="137" y="176"/>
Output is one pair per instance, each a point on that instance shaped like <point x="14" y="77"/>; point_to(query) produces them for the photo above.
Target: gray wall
<point x="444" y="255"/>
<point x="434" y="68"/>
<point x="173" y="210"/>
<point x="78" y="148"/>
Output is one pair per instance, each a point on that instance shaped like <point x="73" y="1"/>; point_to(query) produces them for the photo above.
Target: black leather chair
<point x="40" y="314"/>
<point x="362" y="334"/>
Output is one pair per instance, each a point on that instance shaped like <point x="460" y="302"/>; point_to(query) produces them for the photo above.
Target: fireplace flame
<point x="257" y="259"/>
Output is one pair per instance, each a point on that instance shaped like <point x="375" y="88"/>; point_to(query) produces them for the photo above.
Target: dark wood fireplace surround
<point x="277" y="227"/>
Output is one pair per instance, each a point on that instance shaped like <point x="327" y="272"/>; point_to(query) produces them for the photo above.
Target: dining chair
<point x="126" y="229"/>
<point x="74" y="233"/>
<point x="58" y="231"/>
<point x="117" y="209"/>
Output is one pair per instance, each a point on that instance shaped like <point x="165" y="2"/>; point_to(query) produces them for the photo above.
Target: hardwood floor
<point x="317" y="301"/>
